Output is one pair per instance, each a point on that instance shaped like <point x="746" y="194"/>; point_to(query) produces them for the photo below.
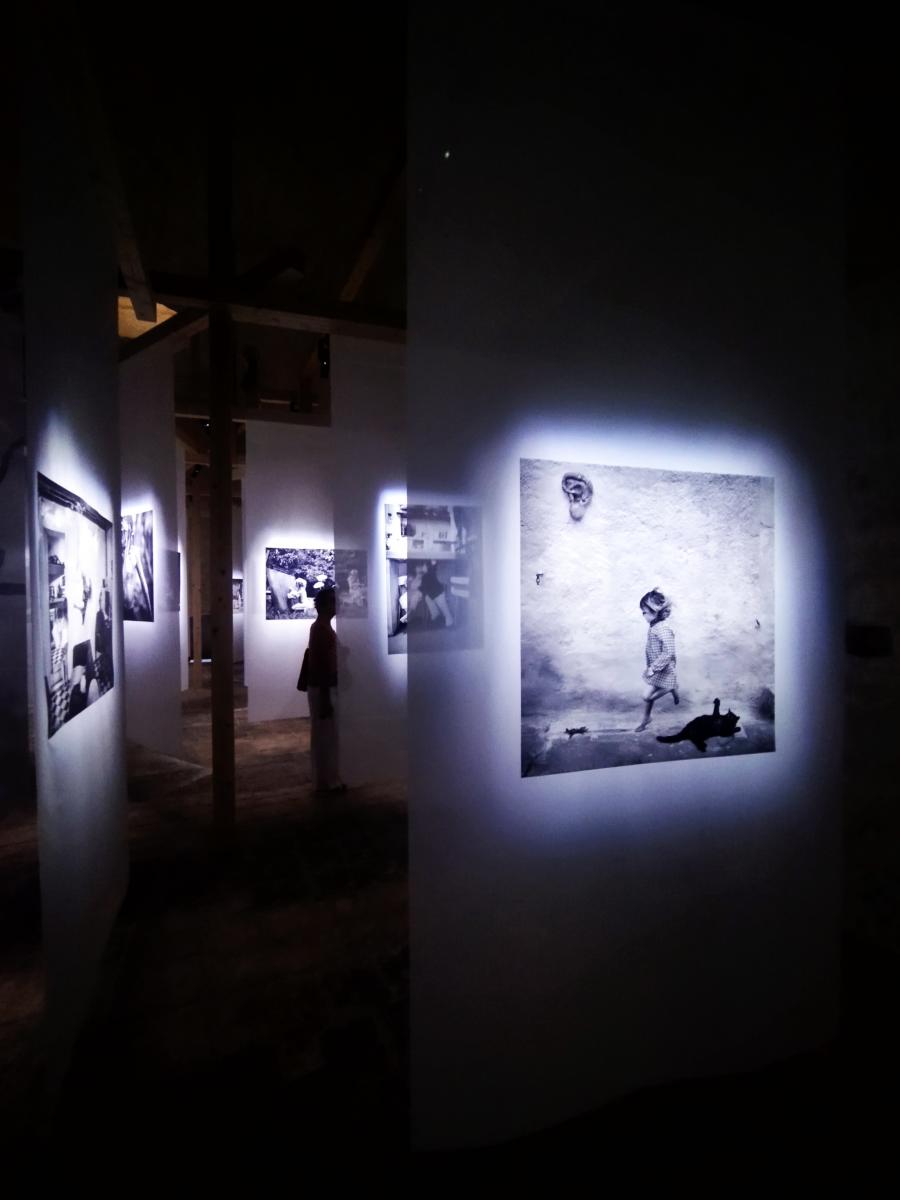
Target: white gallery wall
<point x="70" y="284"/>
<point x="183" y="593"/>
<point x="287" y="502"/>
<point x="237" y="572"/>
<point x="16" y="783"/>
<point x="614" y="263"/>
<point x="149" y="483"/>
<point x="368" y="398"/>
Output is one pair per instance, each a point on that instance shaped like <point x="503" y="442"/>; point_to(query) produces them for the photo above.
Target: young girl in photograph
<point x="659" y="674"/>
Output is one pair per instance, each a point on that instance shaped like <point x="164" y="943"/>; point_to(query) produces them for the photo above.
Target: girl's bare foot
<point x="640" y="728"/>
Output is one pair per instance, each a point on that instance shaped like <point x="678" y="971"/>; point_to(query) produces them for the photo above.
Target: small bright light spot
<point x="446" y="154"/>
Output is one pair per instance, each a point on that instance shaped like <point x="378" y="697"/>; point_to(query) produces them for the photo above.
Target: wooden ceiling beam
<point x="197" y="408"/>
<point x="194" y="441"/>
<point x="390" y="204"/>
<point x="180" y="292"/>
<point x="180" y="328"/>
<point x="391" y="201"/>
<point x="381" y="327"/>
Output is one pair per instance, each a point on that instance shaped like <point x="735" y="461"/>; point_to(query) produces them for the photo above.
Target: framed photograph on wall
<point x="648" y="615"/>
<point x="75" y="565"/>
<point x="171" y="585"/>
<point x="293" y="578"/>
<point x="137" y="566"/>
<point x="433" y="576"/>
<point x="351" y="576"/>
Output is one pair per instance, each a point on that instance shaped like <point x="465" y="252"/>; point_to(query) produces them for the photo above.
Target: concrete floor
<point x="255" y="1001"/>
<point x="21" y="970"/>
<point x="249" y="992"/>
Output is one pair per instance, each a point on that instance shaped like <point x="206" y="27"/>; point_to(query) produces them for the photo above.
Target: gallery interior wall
<point x="368" y="397"/>
<point x="152" y="648"/>
<point x="70" y="286"/>
<point x="184" y="603"/>
<point x="16" y="781"/>
<point x="872" y="434"/>
<point x="624" y="250"/>
<point x="237" y="572"/>
<point x="287" y="500"/>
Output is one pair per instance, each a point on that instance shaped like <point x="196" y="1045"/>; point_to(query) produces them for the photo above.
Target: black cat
<point x="712" y="724"/>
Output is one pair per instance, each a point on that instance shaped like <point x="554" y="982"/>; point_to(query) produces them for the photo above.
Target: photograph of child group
<point x="293" y="579"/>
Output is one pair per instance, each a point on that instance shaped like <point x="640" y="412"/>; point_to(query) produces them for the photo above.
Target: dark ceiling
<point x="317" y="109"/>
<point x="319" y="119"/>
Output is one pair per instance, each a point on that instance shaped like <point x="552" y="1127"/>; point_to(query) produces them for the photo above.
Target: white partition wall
<point x="183" y="597"/>
<point x="149" y="485"/>
<point x="16" y="785"/>
<point x="287" y="504"/>
<point x="70" y="278"/>
<point x="237" y="572"/>
<point x="614" y="264"/>
<point x="368" y="396"/>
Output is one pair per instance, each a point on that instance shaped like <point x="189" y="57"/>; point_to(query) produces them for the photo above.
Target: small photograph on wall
<point x="75" y="565"/>
<point x="237" y="595"/>
<point x="171" y="581"/>
<point x="293" y="579"/>
<point x="137" y="566"/>
<point x="433" y="559"/>
<point x="648" y="616"/>
<point x="351" y="577"/>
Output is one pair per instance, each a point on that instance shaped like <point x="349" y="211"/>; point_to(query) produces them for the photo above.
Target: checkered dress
<point x="661" y="656"/>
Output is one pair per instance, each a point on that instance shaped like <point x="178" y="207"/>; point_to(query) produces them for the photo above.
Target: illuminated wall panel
<point x="70" y="275"/>
<point x="151" y="561"/>
<point x="602" y="276"/>
<point x="183" y="595"/>
<point x="287" y="499"/>
<point x="368" y="402"/>
<point x="16" y="783"/>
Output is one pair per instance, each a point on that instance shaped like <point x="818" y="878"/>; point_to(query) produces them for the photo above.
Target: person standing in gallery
<point x="321" y="682"/>
<point x="435" y="595"/>
<point x="659" y="674"/>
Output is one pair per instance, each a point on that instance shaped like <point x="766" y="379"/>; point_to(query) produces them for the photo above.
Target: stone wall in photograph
<point x="707" y="540"/>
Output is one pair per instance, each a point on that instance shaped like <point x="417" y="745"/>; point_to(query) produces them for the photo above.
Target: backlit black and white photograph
<point x="351" y="578"/>
<point x="171" y="581"/>
<point x="293" y="580"/>
<point x="137" y="566"/>
<point x="648" y="612"/>
<point x="433" y="559"/>
<point x="76" y="561"/>
<point x="237" y="595"/>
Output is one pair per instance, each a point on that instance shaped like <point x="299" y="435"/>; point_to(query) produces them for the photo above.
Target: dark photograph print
<point x="75" y="564"/>
<point x="237" y="595"/>
<point x="137" y="566"/>
<point x="351" y="578"/>
<point x="171" y="587"/>
<point x="293" y="580"/>
<point x="433" y="560"/>
<point x="648" y="613"/>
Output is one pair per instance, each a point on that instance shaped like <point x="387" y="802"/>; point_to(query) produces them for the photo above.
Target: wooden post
<point x="221" y="398"/>
<point x="195" y="581"/>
